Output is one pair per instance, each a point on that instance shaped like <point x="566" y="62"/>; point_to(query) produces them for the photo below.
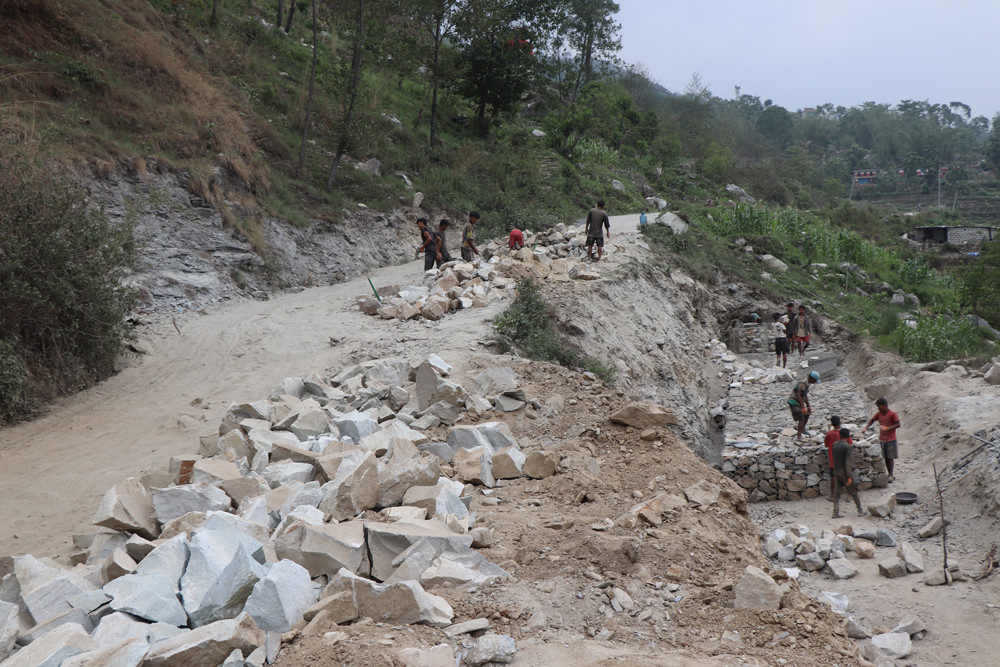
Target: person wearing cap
<point x="469" y="237"/>
<point x="799" y="403"/>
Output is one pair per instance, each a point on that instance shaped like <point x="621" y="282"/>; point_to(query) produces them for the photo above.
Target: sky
<point x="803" y="53"/>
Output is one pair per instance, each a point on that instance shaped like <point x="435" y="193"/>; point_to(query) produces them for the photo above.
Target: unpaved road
<point x="54" y="470"/>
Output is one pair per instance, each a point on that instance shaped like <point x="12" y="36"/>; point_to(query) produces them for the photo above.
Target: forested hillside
<point x="307" y="109"/>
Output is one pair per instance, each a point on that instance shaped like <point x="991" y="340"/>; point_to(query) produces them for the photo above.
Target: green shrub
<point x="527" y="325"/>
<point x="935" y="338"/>
<point x="13" y="377"/>
<point x="61" y="267"/>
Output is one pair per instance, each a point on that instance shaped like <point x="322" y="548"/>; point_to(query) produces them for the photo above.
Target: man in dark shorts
<point x="428" y="244"/>
<point x="888" y="422"/>
<point x="781" y="348"/>
<point x="844" y="473"/>
<point x="832" y="436"/>
<point x="469" y="237"/>
<point x="442" y="254"/>
<point x="798" y="402"/>
<point x="597" y="222"/>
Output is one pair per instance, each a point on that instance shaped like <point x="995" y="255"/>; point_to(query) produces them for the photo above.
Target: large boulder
<point x="431" y="388"/>
<point x="386" y="541"/>
<point x="757" y="590"/>
<point x="280" y="597"/>
<point x="474" y="466"/>
<point x="55" y="647"/>
<point x="150" y="596"/>
<point x="209" y="645"/>
<point x="401" y="603"/>
<point x="127" y="506"/>
<point x="221" y="572"/>
<point x="323" y="549"/>
<point x="353" y="488"/>
<point x="644" y="415"/>
<point x="400" y="475"/>
<point x="175" y="501"/>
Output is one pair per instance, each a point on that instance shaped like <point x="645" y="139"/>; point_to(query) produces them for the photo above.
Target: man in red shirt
<point x="888" y="422"/>
<point x="516" y="239"/>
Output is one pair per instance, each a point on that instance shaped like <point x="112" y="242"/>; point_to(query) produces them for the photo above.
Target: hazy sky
<point x="803" y="53"/>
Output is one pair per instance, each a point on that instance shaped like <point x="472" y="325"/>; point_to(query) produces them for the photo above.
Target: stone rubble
<point x="271" y="527"/>
<point x="554" y="255"/>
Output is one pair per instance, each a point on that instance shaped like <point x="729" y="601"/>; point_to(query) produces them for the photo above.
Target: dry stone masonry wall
<point x="760" y="452"/>
<point x="322" y="504"/>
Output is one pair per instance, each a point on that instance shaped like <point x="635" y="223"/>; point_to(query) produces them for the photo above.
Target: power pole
<point x="939" y="185"/>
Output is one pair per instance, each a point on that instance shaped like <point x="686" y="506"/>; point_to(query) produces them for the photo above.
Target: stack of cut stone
<point x="455" y="286"/>
<point x="323" y="503"/>
<point x="558" y="241"/>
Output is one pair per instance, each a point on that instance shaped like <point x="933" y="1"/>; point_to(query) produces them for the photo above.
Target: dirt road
<point x="54" y="470"/>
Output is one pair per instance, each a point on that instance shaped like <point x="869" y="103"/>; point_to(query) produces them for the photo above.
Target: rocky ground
<point x="634" y="552"/>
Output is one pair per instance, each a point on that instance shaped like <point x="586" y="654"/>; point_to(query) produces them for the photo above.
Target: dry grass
<point x="111" y="85"/>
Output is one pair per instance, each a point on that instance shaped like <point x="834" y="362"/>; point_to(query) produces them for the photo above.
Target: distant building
<point x="866" y="177"/>
<point x="967" y="235"/>
<point x="808" y="112"/>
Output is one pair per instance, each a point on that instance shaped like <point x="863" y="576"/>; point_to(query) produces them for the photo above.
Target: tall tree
<point x="300" y="167"/>
<point x="592" y="33"/>
<point x="352" y="91"/>
<point x="438" y="16"/>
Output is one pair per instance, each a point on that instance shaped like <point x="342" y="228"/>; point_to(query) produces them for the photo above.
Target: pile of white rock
<point x="324" y="503"/>
<point x="462" y="285"/>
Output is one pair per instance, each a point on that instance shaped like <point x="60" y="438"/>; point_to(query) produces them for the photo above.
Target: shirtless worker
<point x="888" y="422"/>
<point x="597" y="222"/>
<point x="442" y="253"/>
<point x="798" y="402"/>
<point x="844" y="473"/>
<point x="832" y="436"/>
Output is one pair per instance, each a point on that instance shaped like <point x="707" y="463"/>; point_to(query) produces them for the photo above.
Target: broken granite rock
<point x="223" y="567"/>
<point x="402" y="603"/>
<point x="387" y="541"/>
<point x="757" y="590"/>
<point x="474" y="466"/>
<point x="494" y="381"/>
<point x="508" y="463"/>
<point x="431" y="388"/>
<point x="841" y="568"/>
<point x="931" y="528"/>
<point x="125" y="653"/>
<point x="644" y="415"/>
<point x="127" y="506"/>
<point x="439" y="500"/>
<point x="354" y="487"/>
<point x="492" y="648"/>
<point x="893" y="644"/>
<point x="323" y="549"/>
<point x="892" y="567"/>
<point x="150" y="596"/>
<point x="280" y="597"/>
<point x="441" y="655"/>
<point x="399" y="476"/>
<point x="209" y="645"/>
<point x="437" y="563"/>
<point x="911" y="557"/>
<point x="541" y="464"/>
<point x="55" y="647"/>
<point x="175" y="501"/>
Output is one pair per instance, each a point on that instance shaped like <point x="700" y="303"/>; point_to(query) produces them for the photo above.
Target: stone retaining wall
<point x="789" y="472"/>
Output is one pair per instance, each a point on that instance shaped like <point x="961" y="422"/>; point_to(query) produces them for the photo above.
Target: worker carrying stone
<point x="844" y="473"/>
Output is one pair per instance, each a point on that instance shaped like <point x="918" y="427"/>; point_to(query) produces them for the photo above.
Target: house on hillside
<point x="965" y="235"/>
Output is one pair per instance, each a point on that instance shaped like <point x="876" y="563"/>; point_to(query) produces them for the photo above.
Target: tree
<point x="352" y="91"/>
<point x="500" y="40"/>
<point x="300" y="167"/>
<point x="592" y="33"/>
<point x="992" y="148"/>
<point x="438" y="16"/>
<point x="775" y="123"/>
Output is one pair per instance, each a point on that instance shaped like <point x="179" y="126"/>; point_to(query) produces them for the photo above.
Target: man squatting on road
<point x="597" y="222"/>
<point x="888" y="422"/>
<point x="844" y="472"/>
